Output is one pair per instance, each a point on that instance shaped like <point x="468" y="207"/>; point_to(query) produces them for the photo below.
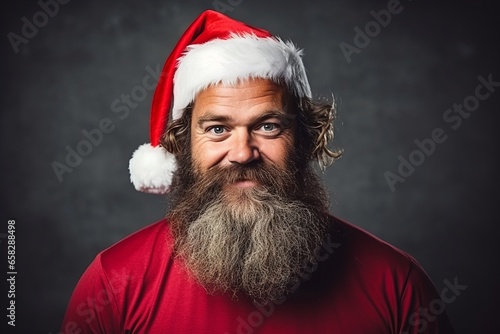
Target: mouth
<point x="244" y="183"/>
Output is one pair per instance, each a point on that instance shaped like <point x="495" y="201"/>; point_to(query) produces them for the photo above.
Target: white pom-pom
<point x="151" y="169"/>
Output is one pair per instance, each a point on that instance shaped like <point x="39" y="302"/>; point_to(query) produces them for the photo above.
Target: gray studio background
<point x="395" y="90"/>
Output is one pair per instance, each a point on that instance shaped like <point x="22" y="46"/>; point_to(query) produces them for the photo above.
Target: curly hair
<point x="314" y="131"/>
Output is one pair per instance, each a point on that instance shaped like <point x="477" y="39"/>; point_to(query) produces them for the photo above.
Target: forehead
<point x="250" y="95"/>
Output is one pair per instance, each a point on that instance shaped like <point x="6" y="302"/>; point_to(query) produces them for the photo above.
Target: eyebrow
<point x="211" y="117"/>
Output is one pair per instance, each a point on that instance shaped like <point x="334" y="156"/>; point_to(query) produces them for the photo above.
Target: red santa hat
<point x="214" y="49"/>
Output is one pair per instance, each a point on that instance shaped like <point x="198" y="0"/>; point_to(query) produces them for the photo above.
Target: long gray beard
<point x="258" y="244"/>
<point x="254" y="240"/>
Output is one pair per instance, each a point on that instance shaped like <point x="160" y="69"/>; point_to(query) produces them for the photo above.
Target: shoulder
<point x="364" y="247"/>
<point x="374" y="263"/>
<point x="132" y="258"/>
<point x="117" y="273"/>
<point x="135" y="246"/>
<point x="137" y="256"/>
<point x="384" y="280"/>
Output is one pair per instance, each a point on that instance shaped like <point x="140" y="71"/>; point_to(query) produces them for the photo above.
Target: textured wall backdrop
<point x="67" y="74"/>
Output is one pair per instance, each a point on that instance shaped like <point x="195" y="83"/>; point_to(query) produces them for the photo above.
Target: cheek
<point x="206" y="154"/>
<point x="278" y="151"/>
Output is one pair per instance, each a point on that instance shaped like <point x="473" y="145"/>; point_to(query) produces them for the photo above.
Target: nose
<point x="243" y="149"/>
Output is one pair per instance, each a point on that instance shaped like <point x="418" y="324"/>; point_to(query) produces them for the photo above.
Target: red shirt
<point x="360" y="285"/>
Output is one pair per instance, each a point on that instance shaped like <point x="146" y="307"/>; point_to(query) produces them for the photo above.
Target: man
<point x="248" y="245"/>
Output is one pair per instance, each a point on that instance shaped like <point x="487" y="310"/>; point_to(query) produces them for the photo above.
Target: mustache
<point x="266" y="175"/>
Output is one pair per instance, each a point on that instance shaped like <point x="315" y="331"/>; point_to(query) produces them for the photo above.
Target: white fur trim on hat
<point x="151" y="169"/>
<point x="239" y="57"/>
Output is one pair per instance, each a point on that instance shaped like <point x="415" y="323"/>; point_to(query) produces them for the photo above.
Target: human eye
<point x="270" y="128"/>
<point x="216" y="130"/>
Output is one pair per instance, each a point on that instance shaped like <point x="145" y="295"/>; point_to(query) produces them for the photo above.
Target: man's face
<point x="247" y="215"/>
<point x="241" y="124"/>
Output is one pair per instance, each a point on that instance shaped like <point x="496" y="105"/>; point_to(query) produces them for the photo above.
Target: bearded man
<point x="248" y="245"/>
